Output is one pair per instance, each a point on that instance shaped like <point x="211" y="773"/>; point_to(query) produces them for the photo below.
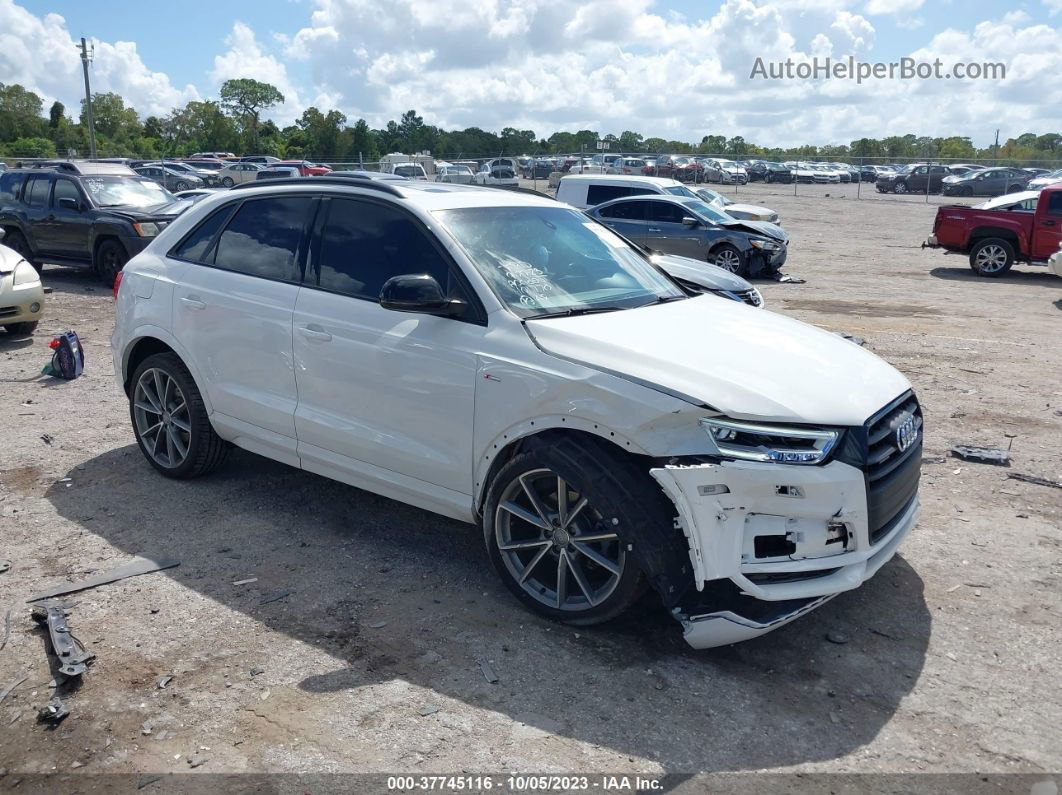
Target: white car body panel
<point x="1055" y="263"/>
<point x="417" y="408"/>
<point x="776" y="369"/>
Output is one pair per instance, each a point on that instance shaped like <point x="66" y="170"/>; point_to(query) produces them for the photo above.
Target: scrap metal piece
<point x="984" y="455"/>
<point x="1037" y="481"/>
<point x="53" y="712"/>
<point x="7" y="690"/>
<point x="131" y="569"/>
<point x="72" y="654"/>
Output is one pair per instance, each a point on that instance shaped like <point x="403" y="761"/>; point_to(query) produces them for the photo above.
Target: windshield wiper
<point x="577" y="310"/>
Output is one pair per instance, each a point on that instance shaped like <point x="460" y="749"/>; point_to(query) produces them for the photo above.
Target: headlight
<point x="769" y="443"/>
<point x="764" y="243"/>
<point x="148" y="229"/>
<point x="25" y="274"/>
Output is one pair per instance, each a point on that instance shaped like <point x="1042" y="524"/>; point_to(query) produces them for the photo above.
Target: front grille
<point x="8" y="311"/>
<point x="751" y="296"/>
<point x="891" y="474"/>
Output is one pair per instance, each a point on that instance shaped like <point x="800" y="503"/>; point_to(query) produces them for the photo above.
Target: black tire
<point x="16" y="241"/>
<point x="621" y="500"/>
<point x="227" y="182"/>
<point x="21" y="329"/>
<point x="899" y="187"/>
<point x="205" y="449"/>
<point x="729" y="258"/>
<point x="768" y="178"/>
<point x="181" y="185"/>
<point x="992" y="257"/>
<point x="110" y="259"/>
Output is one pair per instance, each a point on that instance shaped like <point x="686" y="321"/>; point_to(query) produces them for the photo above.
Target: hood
<point x="749" y="209"/>
<point x="694" y="270"/>
<point x="762" y="228"/>
<point x="9" y="258"/>
<point x="165" y="212"/>
<point x="744" y="362"/>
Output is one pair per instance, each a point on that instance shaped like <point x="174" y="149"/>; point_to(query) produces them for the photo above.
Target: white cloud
<point x="893" y="6"/>
<point x="246" y="58"/>
<point x="40" y="54"/>
<point x="1053" y="6"/>
<point x="856" y="34"/>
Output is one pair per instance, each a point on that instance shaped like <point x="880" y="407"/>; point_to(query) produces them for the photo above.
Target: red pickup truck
<point x="997" y="238"/>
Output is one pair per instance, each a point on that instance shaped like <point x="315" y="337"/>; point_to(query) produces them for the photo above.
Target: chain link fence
<point x="880" y="178"/>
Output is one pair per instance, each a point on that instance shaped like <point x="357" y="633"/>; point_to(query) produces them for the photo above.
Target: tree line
<point x="234" y="124"/>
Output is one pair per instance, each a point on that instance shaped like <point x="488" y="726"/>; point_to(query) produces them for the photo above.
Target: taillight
<point x="117" y="284"/>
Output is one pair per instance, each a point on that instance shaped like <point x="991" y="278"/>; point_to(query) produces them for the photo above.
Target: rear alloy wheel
<point x="170" y="419"/>
<point x="729" y="258"/>
<point x="992" y="257"/>
<point x="110" y="259"/>
<point x="900" y="187"/>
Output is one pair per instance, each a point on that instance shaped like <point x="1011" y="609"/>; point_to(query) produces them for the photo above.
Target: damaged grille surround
<point x="787" y="538"/>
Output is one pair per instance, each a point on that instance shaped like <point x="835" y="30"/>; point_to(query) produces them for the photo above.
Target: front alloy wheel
<point x="555" y="545"/>
<point x="729" y="258"/>
<point x="900" y="187"/>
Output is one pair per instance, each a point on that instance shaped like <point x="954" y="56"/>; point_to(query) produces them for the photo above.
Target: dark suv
<point x="84" y="214"/>
<point x="915" y="178"/>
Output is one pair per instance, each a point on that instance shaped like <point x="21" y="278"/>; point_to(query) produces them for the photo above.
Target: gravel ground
<point x="361" y="643"/>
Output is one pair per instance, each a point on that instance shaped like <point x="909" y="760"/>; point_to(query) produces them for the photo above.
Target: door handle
<point x="315" y="333"/>
<point x="193" y="303"/>
<point x="1049" y="223"/>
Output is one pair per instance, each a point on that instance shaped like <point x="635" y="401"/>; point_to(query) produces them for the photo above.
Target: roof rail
<point x="515" y="189"/>
<point x="385" y="187"/>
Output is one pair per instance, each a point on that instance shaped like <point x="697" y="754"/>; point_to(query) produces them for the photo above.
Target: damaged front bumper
<point x="771" y="542"/>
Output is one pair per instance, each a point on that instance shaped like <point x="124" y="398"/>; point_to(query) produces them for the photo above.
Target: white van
<point x="590" y="190"/>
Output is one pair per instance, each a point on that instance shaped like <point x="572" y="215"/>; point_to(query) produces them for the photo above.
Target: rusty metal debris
<point x="983" y="455"/>
<point x="131" y="569"/>
<point x="1038" y="481"/>
<point x="72" y="655"/>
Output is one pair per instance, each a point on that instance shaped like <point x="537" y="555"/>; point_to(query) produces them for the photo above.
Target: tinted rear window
<point x="263" y="238"/>
<point x="37" y="192"/>
<point x="10" y="182"/>
<point x="596" y="194"/>
<point x="197" y="247"/>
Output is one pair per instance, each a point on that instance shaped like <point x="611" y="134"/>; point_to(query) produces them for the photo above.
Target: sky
<point x="677" y="69"/>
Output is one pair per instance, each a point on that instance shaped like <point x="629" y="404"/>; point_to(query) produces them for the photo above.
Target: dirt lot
<point x="358" y="646"/>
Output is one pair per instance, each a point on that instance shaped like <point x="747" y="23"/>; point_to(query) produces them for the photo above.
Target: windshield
<point x="680" y="190"/>
<point x="543" y="261"/>
<point x="409" y="171"/>
<point x="126" y="192"/>
<point x="707" y="212"/>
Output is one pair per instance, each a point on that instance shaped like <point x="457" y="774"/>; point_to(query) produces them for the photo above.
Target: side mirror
<point x="67" y="203"/>
<point x="690" y="221"/>
<point x="418" y="293"/>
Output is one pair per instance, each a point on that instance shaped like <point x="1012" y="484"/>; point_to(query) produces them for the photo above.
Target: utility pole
<point x="85" y="59"/>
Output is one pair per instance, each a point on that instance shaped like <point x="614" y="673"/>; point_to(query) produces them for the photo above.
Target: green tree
<point x="322" y="133"/>
<point x="56" y="114"/>
<point x="31" y="147"/>
<point x="112" y="118"/>
<point x="245" y="99"/>
<point x="20" y="113"/>
<point x="630" y="141"/>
